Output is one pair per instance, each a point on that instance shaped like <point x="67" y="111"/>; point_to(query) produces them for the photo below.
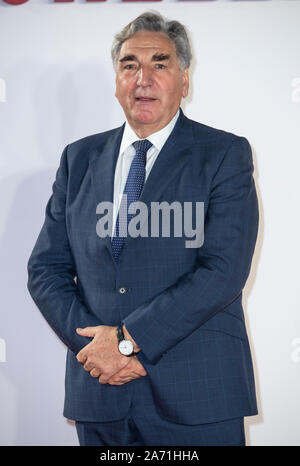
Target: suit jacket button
<point x="122" y="290"/>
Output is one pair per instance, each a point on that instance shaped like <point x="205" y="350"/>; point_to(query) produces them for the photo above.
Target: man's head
<point x="151" y="57"/>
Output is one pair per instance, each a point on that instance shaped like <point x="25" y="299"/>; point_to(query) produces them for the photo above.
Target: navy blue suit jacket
<point x="183" y="306"/>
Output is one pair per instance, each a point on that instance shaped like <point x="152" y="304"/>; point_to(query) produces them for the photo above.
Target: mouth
<point x="145" y="99"/>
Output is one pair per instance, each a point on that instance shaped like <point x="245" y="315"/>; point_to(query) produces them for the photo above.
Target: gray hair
<point x="153" y="21"/>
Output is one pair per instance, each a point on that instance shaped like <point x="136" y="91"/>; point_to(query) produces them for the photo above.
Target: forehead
<point x="147" y="42"/>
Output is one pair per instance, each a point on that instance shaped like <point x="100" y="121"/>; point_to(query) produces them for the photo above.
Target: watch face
<point x="126" y="347"/>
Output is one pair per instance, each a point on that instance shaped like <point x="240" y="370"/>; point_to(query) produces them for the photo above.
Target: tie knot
<point x="142" y="146"/>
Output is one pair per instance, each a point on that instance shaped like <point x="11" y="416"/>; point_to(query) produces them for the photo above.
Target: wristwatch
<point x="125" y="346"/>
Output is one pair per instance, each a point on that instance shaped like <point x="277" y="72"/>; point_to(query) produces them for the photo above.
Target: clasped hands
<point x="102" y="359"/>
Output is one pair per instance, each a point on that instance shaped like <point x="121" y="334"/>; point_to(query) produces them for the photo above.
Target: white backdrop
<point x="56" y="86"/>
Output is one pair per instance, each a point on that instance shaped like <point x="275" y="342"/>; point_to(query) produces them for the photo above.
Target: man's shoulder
<point x="81" y="152"/>
<point x="216" y="144"/>
<point x="93" y="141"/>
<point x="205" y="134"/>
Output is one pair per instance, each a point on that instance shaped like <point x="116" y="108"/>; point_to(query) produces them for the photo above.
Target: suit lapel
<point x="170" y="160"/>
<point x="102" y="167"/>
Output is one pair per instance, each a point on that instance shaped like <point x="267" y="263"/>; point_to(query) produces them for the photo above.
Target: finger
<point x="119" y="381"/>
<point x="122" y="374"/>
<point x="95" y="373"/>
<point x="81" y="357"/>
<point x="89" y="366"/>
<point x="136" y="374"/>
<point x="128" y="377"/>
<point x="115" y="380"/>
<point x="115" y="383"/>
<point x="86" y="332"/>
<point x="102" y="380"/>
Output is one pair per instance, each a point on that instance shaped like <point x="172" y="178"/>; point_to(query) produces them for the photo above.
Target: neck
<point x="144" y="131"/>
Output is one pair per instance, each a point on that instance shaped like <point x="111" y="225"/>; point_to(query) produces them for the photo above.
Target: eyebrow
<point x="155" y="57"/>
<point x="128" y="58"/>
<point x="160" y="57"/>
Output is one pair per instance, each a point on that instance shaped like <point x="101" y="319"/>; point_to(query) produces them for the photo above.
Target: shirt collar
<point x="158" y="139"/>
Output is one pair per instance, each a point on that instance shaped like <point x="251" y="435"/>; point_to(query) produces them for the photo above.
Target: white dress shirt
<point x="127" y="153"/>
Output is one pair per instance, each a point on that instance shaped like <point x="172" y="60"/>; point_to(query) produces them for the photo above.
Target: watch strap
<point x="120" y="333"/>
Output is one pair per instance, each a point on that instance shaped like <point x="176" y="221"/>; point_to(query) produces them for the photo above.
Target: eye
<point x="129" y="66"/>
<point x="160" y="66"/>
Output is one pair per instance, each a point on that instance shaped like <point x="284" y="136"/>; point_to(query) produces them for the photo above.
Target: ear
<point x="185" y="82"/>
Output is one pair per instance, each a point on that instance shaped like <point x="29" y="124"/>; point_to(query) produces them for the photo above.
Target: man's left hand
<point x="101" y="356"/>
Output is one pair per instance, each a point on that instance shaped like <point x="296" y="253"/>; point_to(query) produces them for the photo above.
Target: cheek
<point x="172" y="86"/>
<point x="123" y="90"/>
<point x="172" y="93"/>
<point x="120" y="86"/>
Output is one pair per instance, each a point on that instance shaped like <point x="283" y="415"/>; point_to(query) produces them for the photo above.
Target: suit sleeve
<point x="224" y="261"/>
<point x="51" y="271"/>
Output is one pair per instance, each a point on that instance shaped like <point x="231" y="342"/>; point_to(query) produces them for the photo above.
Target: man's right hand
<point x="133" y="370"/>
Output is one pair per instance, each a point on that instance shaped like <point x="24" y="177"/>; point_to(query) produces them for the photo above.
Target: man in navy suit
<point x="160" y="325"/>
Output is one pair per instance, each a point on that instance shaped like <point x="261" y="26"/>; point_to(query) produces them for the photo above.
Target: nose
<point x="144" y="77"/>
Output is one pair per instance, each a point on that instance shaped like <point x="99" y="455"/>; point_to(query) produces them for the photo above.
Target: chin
<point x="145" y="118"/>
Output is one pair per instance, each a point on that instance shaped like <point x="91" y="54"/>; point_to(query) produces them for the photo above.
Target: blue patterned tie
<point x="133" y="188"/>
